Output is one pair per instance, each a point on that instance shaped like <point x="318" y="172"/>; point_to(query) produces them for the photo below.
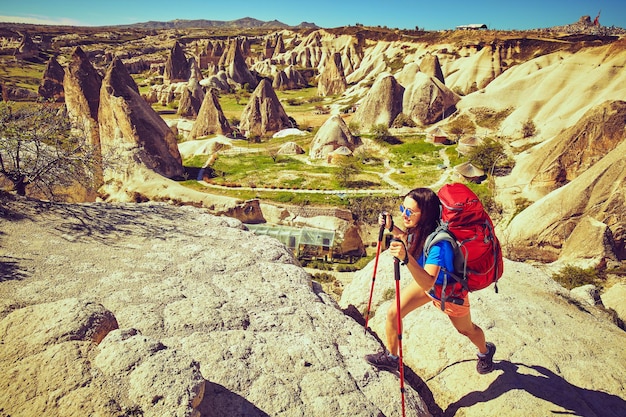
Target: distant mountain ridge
<point x="246" y="22"/>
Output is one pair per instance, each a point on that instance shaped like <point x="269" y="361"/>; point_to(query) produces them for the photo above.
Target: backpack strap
<point x="442" y="234"/>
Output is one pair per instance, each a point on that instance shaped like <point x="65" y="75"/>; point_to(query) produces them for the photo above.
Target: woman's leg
<point x="412" y="297"/>
<point x="466" y="327"/>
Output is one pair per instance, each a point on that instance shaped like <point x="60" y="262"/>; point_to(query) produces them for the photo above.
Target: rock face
<point x="100" y="379"/>
<point x="51" y="87"/>
<point x="128" y="122"/>
<point x="211" y="119"/>
<point x="198" y="300"/>
<point x="541" y="366"/>
<point x="332" y="80"/>
<point x="264" y="114"/>
<point x="382" y="104"/>
<point x="573" y="151"/>
<point x="595" y="188"/>
<point x="333" y="134"/>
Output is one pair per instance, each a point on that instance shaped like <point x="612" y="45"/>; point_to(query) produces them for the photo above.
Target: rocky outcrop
<point x="333" y="134"/>
<point x="263" y="115"/>
<point x="51" y="86"/>
<point x="27" y="48"/>
<point x="427" y="100"/>
<point x="213" y="305"/>
<point x="332" y="80"/>
<point x="129" y="125"/>
<point x="574" y="150"/>
<point x="211" y="119"/>
<point x="382" y="104"/>
<point x="177" y="66"/>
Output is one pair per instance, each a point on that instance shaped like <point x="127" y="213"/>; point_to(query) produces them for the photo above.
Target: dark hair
<point x="430" y="206"/>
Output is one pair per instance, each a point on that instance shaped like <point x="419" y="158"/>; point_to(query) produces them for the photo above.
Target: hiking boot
<point x="382" y="360"/>
<point x="485" y="363"/>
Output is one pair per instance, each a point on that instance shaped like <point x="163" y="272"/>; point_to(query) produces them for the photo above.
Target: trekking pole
<point x="396" y="274"/>
<point x="369" y="304"/>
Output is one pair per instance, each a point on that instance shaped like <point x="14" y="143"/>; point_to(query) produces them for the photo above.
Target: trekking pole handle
<point x="396" y="260"/>
<point x="381" y="232"/>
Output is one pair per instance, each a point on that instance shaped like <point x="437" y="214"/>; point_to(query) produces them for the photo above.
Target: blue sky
<point x="403" y="14"/>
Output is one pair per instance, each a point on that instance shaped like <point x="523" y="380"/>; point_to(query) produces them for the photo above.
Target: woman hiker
<point x="420" y="215"/>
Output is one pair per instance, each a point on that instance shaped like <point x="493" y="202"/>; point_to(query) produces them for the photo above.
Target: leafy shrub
<point x="323" y="277"/>
<point x="529" y="129"/>
<point x="573" y="276"/>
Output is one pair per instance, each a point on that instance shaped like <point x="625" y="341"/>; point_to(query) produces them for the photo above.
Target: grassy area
<point x="22" y="74"/>
<point x="417" y="160"/>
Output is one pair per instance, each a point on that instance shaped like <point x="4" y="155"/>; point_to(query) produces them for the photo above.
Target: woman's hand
<point x="398" y="250"/>
<point x="385" y="220"/>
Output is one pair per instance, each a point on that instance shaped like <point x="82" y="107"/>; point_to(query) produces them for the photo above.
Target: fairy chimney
<point x="333" y="134"/>
<point x="237" y="69"/>
<point x="382" y="103"/>
<point x="51" y="86"/>
<point x="264" y="114"/>
<point x="176" y="66"/>
<point x="191" y="99"/>
<point x="332" y="80"/>
<point x="127" y="122"/>
<point x="210" y="120"/>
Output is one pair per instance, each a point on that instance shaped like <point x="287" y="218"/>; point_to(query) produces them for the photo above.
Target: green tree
<point x="380" y="132"/>
<point x="39" y="148"/>
<point x="486" y="155"/>
<point x="529" y="129"/>
<point x="348" y="169"/>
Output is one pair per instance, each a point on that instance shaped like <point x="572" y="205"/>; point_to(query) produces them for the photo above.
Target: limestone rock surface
<point x="189" y="291"/>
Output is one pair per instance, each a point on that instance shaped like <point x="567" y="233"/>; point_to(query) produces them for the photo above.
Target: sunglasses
<point x="407" y="211"/>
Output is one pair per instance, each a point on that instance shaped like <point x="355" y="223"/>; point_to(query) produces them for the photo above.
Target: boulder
<point x="290" y="148"/>
<point x="130" y="126"/>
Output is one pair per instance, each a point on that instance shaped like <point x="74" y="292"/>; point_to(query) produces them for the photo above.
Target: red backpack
<point x="469" y="229"/>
